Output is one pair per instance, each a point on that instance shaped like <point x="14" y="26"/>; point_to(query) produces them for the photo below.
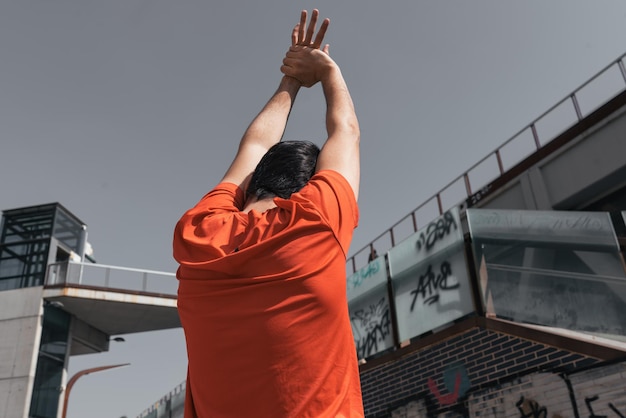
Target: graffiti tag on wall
<point x="371" y="327"/>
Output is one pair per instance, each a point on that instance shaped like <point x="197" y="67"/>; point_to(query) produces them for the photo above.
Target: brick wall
<point x="485" y="373"/>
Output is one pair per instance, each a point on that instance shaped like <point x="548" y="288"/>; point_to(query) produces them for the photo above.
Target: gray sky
<point x="128" y="111"/>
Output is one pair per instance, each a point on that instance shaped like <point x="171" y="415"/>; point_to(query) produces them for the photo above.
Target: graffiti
<point x="479" y="195"/>
<point x="456" y="382"/>
<point x="530" y="409"/>
<point x="590" y="399"/>
<point x="375" y="322"/>
<point x="435" y="231"/>
<point x="357" y="278"/>
<point x="456" y="397"/>
<point x="449" y="398"/>
<point x="409" y="410"/>
<point x="429" y="284"/>
<point x="619" y="414"/>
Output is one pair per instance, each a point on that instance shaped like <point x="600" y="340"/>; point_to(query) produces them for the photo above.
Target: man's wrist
<point x="290" y="82"/>
<point x="330" y="72"/>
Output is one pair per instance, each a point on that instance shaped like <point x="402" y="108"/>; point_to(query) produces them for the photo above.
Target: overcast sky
<point x="128" y="111"/>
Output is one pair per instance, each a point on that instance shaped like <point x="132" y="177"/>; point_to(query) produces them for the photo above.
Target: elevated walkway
<point x="112" y="300"/>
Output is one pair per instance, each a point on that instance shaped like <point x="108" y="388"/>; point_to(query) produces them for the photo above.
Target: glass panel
<point x="429" y="275"/>
<point x="67" y="230"/>
<point x="559" y="269"/>
<point x="23" y="264"/>
<point x="50" y="364"/>
<point x="24" y="244"/>
<point x="368" y="303"/>
<point x="47" y="388"/>
<point x="592" y="230"/>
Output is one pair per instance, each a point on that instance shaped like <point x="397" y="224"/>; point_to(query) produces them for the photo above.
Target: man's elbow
<point x="350" y="129"/>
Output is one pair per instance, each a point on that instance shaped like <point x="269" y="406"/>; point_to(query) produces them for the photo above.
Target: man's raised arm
<point x="341" y="150"/>
<point x="268" y="126"/>
<point x="266" y="129"/>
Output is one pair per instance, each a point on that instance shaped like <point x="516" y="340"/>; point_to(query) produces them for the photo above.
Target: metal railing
<point x="111" y="277"/>
<point x="170" y="405"/>
<point x="599" y="89"/>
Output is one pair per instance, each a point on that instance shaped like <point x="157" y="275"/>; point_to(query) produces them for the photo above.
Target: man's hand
<point x="307" y="65"/>
<point x="302" y="61"/>
<point x="301" y="35"/>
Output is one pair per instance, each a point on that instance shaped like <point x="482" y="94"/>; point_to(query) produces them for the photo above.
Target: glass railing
<point x="430" y="277"/>
<point x="550" y="268"/>
<point x="111" y="277"/>
<point x="417" y="287"/>
<point x="556" y="269"/>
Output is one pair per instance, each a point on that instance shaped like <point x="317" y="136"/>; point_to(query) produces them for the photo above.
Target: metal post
<point x="499" y="159"/>
<point x="622" y="69"/>
<point x="535" y="135"/>
<point x="468" y="188"/>
<point x="439" y="204"/>
<point x="80" y="374"/>
<point x="579" y="114"/>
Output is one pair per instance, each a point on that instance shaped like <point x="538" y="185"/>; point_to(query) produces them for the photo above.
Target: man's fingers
<point x="326" y="49"/>
<point x="302" y="34"/>
<point x="321" y="33"/>
<point x="311" y="29"/>
<point x="294" y="34"/>
<point x="301" y="26"/>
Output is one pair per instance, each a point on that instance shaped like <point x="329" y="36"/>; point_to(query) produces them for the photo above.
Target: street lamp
<point x="80" y="374"/>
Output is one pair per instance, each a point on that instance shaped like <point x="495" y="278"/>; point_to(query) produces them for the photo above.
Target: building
<point x="56" y="302"/>
<point x="513" y="301"/>
<point x="506" y="299"/>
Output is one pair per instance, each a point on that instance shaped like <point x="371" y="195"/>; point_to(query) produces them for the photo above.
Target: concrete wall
<point x="21" y="312"/>
<point x="587" y="168"/>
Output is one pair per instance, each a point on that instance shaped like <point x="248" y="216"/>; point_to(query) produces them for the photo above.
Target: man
<point x="262" y="278"/>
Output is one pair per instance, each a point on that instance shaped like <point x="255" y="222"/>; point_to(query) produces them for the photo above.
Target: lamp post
<point x="80" y="374"/>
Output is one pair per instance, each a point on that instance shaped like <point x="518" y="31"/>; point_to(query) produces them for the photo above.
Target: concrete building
<point x="56" y="302"/>
<point x="505" y="293"/>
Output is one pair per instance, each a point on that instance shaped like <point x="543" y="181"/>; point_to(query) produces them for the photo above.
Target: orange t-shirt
<point x="262" y="301"/>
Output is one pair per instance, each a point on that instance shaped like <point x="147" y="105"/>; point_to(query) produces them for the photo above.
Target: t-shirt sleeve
<point x="225" y="197"/>
<point x="200" y="228"/>
<point x="334" y="199"/>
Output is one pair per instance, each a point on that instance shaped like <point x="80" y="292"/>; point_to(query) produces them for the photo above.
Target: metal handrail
<point x="163" y="401"/>
<point x="572" y="97"/>
<point x="100" y="276"/>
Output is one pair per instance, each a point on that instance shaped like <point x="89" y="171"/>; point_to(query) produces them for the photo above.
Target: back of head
<point x="284" y="169"/>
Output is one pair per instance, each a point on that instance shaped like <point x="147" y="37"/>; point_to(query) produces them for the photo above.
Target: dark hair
<point x="284" y="169"/>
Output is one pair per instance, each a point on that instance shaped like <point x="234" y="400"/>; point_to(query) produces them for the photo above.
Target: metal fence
<point x="606" y="84"/>
<point x="169" y="406"/>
